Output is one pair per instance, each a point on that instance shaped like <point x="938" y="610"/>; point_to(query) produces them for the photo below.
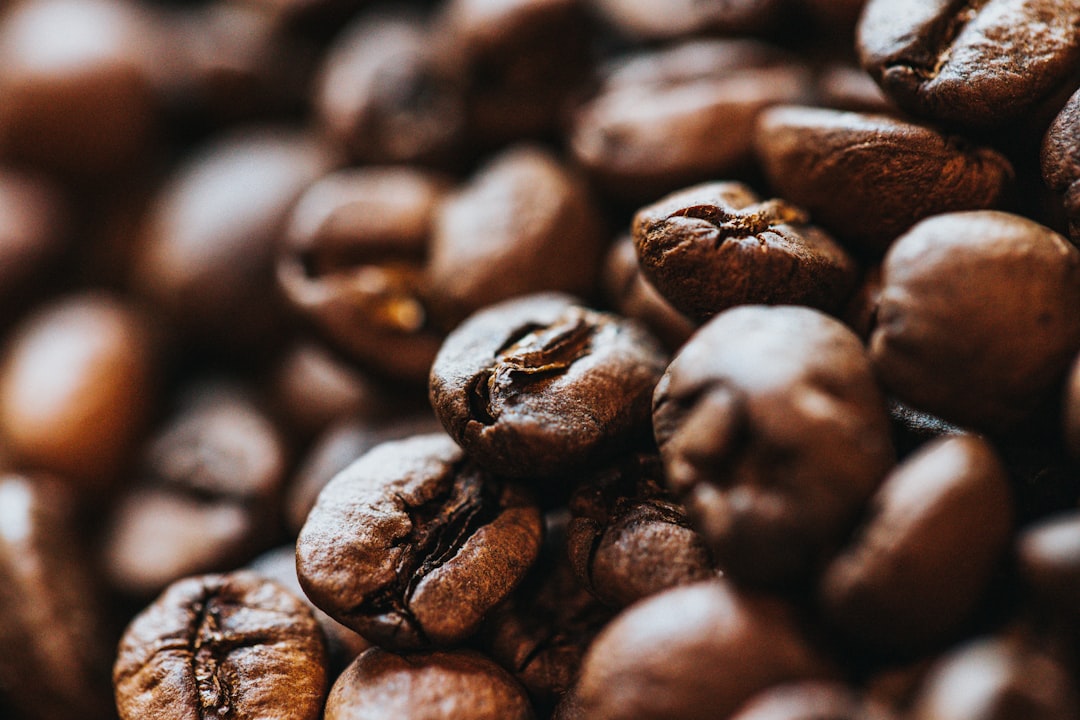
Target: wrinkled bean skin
<point x="411" y="545"/>
<point x="1061" y="160"/>
<point x="536" y="386"/>
<point x="233" y="645"/>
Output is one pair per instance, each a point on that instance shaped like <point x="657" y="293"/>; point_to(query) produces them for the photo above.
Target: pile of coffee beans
<point x="540" y="359"/>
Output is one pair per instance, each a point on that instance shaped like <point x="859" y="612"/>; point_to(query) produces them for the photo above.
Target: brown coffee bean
<point x="524" y="223"/>
<point x="411" y="545"/>
<point x="628" y="538"/>
<point x="1061" y="160"/>
<point x="976" y="320"/>
<point x="806" y="701"/>
<point x="1048" y="559"/>
<point x="235" y="645"/>
<point x="35" y="223"/>
<point x="898" y="587"/>
<point x="206" y="250"/>
<point x="773" y="434"/>
<point x="974" y="64"/>
<point x="714" y="246"/>
<point x="76" y="78"/>
<point x="384" y="97"/>
<point x="207" y="499"/>
<point x="643" y="19"/>
<point x="77" y="379"/>
<point x="55" y="648"/>
<point x="652" y="125"/>
<point x="458" y="685"/>
<point x="538" y="386"/>
<point x="693" y="652"/>
<point x="868" y="178"/>
<point x="353" y="261"/>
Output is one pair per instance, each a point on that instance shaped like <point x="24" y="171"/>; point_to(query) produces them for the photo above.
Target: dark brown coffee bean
<point x="693" y="652"/>
<point x="459" y="685"/>
<point x="206" y="251"/>
<point x="1048" y="558"/>
<point x="35" y="223"/>
<point x="652" y="126"/>
<point x="411" y="545"/>
<point x="998" y="678"/>
<point x="77" y="380"/>
<point x="1061" y="160"/>
<point x="634" y="297"/>
<point x="714" y="246"/>
<point x="643" y="19"/>
<point x="235" y="645"/>
<point x="76" y="78"/>
<point x="806" y="701"/>
<point x="977" y="318"/>
<point x="538" y="386"/>
<point x="971" y="63"/>
<point x="522" y="224"/>
<point x="384" y="97"/>
<point x="54" y="645"/>
<point x="353" y="262"/>
<point x="898" y="587"/>
<point x="208" y="497"/>
<point x="868" y="178"/>
<point x="628" y="538"/>
<point x="773" y="434"/>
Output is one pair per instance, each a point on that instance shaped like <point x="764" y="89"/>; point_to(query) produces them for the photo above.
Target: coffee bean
<point x="1048" y="559"/>
<point x="974" y="64"/>
<point x="714" y="246"/>
<point x="868" y="178"/>
<point x="537" y="386"/>
<point x="628" y="538"/>
<point x="689" y="17"/>
<point x="885" y="590"/>
<point x="807" y="701"/>
<point x="35" y="224"/>
<point x="697" y="651"/>
<point x="951" y="337"/>
<point x="233" y="645"/>
<point x="412" y="545"/>
<point x="457" y="685"/>
<point x="1061" y="160"/>
<point x="773" y="434"/>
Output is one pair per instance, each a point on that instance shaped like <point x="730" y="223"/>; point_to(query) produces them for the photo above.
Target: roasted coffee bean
<point x="207" y="498"/>
<point x="643" y="19"/>
<point x="384" y="97"/>
<point x="55" y="647"/>
<point x="235" y="645"/>
<point x="353" y="263"/>
<point x="1048" y="559"/>
<point x="885" y="590"/>
<point x="412" y="545"/>
<point x="628" y="538"/>
<point x="77" y="81"/>
<point x="953" y="340"/>
<point x="524" y="223"/>
<point x="538" y="386"/>
<point x="1061" y="160"/>
<point x="974" y="64"/>
<point x="807" y="701"/>
<point x="652" y="125"/>
<point x="697" y="651"/>
<point x="77" y="381"/>
<point x="458" y="685"/>
<point x="206" y="250"/>
<point x="868" y="178"/>
<point x="710" y="247"/>
<point x="342" y="644"/>
<point x="35" y="223"/>
<point x="773" y="433"/>
<point x="1008" y="677"/>
<point x="632" y="296"/>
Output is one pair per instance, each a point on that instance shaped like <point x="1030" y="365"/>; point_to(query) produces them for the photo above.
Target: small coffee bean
<point x="953" y="340"/>
<point x="235" y="645"/>
<point x="714" y="246"/>
<point x="640" y="18"/>
<point x="975" y="64"/>
<point x="1061" y="160"/>
<point x="806" y="701"/>
<point x="773" y="434"/>
<point x="411" y="545"/>
<point x="457" y="685"/>
<point x="628" y="538"/>
<point x="888" y="590"/>
<point x="1048" y="559"/>
<point x="693" y="652"/>
<point x="868" y="178"/>
<point x="540" y="385"/>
